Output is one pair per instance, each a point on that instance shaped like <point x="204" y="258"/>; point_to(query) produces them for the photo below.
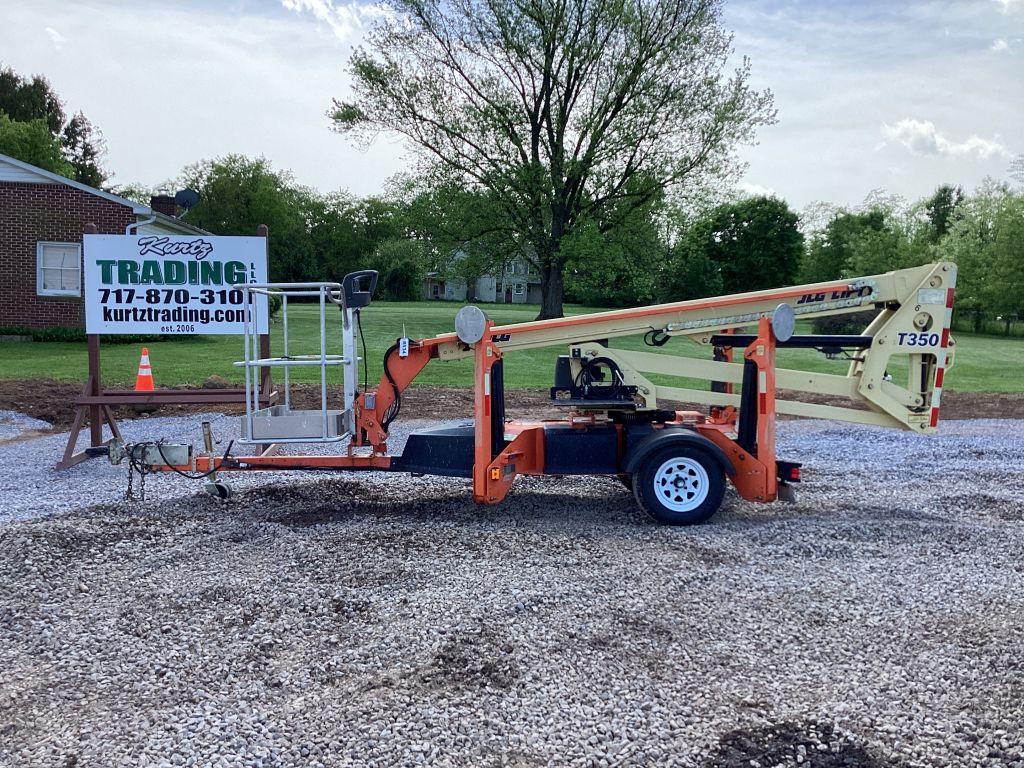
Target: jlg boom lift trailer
<point x="616" y="424"/>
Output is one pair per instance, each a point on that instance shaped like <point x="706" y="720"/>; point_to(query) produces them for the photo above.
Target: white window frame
<point x="40" y="290"/>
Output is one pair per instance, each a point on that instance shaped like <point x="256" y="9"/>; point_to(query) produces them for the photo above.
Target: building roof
<point x="26" y="172"/>
<point x="163" y="222"/>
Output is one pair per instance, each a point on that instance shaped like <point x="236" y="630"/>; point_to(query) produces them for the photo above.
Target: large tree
<point x="84" y="148"/>
<point x="33" y="100"/>
<point x="345" y="231"/>
<point x="568" y="112"/>
<point x="25" y="99"/>
<point x="752" y="244"/>
<point x="237" y="194"/>
<point x="464" y="231"/>
<point x="616" y="267"/>
<point x="940" y="209"/>
<point x="31" y="142"/>
<point x="312" y="236"/>
<point x="830" y="254"/>
<point x="758" y="244"/>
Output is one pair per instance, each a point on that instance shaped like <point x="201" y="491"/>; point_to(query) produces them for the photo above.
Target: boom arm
<point x="913" y="324"/>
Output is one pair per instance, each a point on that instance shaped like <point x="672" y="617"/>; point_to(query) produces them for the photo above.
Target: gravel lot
<point x="30" y="487"/>
<point x="386" y="620"/>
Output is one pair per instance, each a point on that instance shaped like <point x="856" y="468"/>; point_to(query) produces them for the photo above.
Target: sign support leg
<point x="96" y="413"/>
<point x="94" y="388"/>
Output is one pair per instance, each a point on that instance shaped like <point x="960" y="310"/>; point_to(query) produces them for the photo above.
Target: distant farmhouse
<point x="515" y="283"/>
<point x="42" y="218"/>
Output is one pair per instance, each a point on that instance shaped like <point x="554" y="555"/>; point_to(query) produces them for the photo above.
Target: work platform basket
<point x="282" y="423"/>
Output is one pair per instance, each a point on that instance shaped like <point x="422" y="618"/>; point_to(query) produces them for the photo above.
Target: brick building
<point x="42" y="218"/>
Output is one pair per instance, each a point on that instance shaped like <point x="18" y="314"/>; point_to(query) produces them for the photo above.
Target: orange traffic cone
<point x="144" y="379"/>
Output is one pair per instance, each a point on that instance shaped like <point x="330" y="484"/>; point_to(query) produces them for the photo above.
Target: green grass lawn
<point x="983" y="363"/>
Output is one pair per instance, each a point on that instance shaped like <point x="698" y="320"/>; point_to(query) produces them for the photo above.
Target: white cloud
<point x="56" y="37"/>
<point x="922" y="138"/>
<point x="272" y="71"/>
<point x="1000" y="45"/>
<point x="749" y="189"/>
<point x="839" y="71"/>
<point x="348" y="21"/>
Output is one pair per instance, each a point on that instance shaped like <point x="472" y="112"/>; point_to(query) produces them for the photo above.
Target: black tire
<point x="686" y="493"/>
<point x="626" y="480"/>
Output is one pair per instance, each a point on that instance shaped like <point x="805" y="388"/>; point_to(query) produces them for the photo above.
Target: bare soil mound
<point x="51" y="401"/>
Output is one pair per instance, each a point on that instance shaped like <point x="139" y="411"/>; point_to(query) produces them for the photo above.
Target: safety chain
<point x="129" y="494"/>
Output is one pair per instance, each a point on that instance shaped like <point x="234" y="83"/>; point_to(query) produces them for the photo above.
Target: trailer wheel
<point x="679" y="485"/>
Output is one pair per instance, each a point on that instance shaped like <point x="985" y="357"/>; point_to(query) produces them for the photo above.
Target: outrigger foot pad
<point x="220" y="490"/>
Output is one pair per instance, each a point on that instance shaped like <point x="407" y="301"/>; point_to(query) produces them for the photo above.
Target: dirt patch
<point x="29" y="434"/>
<point x="473" y="659"/>
<point x="1004" y="507"/>
<point x="810" y="744"/>
<point x="51" y="400"/>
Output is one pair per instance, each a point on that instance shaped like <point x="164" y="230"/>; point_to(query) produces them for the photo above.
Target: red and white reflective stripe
<point x="940" y="357"/>
<point x="948" y="319"/>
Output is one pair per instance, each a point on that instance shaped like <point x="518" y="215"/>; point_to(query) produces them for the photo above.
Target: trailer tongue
<point x="617" y="422"/>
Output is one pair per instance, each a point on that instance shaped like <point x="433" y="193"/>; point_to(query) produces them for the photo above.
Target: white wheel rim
<point x="681" y="484"/>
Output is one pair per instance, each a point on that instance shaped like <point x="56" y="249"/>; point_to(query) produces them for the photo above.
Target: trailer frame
<point x="736" y="437"/>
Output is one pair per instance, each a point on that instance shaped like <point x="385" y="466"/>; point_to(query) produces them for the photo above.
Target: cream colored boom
<point x="711" y="315"/>
<point x="913" y="324"/>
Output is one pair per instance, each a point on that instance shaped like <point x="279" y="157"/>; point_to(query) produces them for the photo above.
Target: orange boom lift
<point x="617" y="423"/>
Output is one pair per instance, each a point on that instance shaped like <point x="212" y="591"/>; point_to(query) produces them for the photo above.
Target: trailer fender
<point x="662" y="438"/>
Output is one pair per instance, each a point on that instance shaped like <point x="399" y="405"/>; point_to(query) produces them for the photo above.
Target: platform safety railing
<point x="282" y="423"/>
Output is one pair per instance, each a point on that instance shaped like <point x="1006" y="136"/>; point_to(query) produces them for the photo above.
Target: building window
<point x="520" y="289"/>
<point x="59" y="269"/>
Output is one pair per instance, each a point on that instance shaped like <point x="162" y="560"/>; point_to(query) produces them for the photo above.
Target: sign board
<point x="164" y="284"/>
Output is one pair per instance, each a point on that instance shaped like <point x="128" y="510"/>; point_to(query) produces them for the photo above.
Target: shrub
<point x="400" y="266"/>
<point x="274" y="302"/>
<point x="402" y="282"/>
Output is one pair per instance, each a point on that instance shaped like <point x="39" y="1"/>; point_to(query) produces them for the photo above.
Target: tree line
<point x="982" y="232"/>
<point x="643" y="242"/>
<point x="662" y="254"/>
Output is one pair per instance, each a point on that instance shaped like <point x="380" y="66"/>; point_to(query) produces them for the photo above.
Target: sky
<point x="896" y="95"/>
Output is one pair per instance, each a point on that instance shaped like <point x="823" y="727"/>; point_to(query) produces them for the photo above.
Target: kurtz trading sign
<point x="161" y="284"/>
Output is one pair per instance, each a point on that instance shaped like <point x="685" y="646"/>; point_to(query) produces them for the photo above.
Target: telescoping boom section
<point x="621" y="417"/>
